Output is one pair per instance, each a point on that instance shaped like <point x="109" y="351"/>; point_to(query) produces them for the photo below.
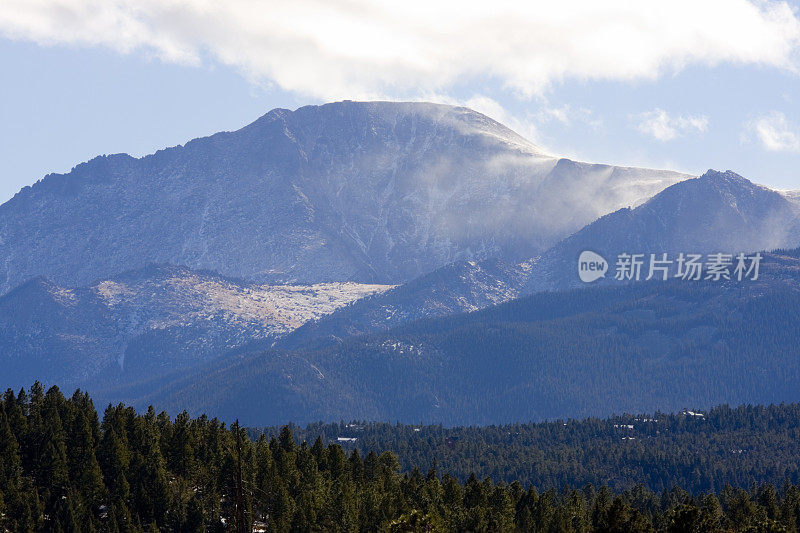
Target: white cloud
<point x="562" y="114"/>
<point x="567" y="115"/>
<point x="367" y="48"/>
<point x="663" y="127"/>
<point x="774" y="133"/>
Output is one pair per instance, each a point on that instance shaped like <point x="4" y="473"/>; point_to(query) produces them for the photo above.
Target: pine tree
<point x="452" y="502"/>
<point x="501" y="510"/>
<point x="83" y="466"/>
<point x="10" y="462"/>
<point x="790" y="507"/>
<point x="195" y="521"/>
<point x="180" y="447"/>
<point x="286" y="440"/>
<point x="114" y="459"/>
<point x="149" y="486"/>
<point x="61" y="517"/>
<point x="52" y="472"/>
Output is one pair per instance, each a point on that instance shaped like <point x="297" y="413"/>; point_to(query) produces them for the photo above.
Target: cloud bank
<point x="363" y="48"/>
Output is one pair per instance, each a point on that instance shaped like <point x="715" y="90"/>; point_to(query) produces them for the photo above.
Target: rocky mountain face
<point x="152" y="320"/>
<point x="375" y="192"/>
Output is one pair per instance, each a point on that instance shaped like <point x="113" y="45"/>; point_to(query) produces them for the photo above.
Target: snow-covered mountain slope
<point x="155" y="319"/>
<point x="719" y="212"/>
<point x="377" y="192"/>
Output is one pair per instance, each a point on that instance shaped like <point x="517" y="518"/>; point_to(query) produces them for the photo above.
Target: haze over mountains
<point x="137" y="277"/>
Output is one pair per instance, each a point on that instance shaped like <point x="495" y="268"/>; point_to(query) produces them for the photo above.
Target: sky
<point x="683" y="85"/>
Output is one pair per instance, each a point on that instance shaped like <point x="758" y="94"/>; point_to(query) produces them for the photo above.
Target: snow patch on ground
<point x="185" y="297"/>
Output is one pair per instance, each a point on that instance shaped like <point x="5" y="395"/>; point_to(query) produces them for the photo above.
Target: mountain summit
<point x="349" y="191"/>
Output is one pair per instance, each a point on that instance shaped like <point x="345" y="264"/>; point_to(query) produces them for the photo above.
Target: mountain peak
<point x="714" y="186"/>
<point x="732" y="212"/>
<point x="727" y="174"/>
<point x="390" y="114"/>
<point x="728" y="177"/>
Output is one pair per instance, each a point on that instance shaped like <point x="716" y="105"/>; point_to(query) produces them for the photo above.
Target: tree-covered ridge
<point x="62" y="469"/>
<point x="699" y="451"/>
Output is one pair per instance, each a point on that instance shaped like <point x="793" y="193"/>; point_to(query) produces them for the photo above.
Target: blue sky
<point x="680" y="85"/>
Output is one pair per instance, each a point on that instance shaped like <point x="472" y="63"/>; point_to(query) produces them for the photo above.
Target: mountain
<point x="376" y="192"/>
<point x="370" y="248"/>
<point x="459" y="287"/>
<point x="153" y="320"/>
<point x="717" y="212"/>
<point x="590" y="352"/>
<point x="168" y="319"/>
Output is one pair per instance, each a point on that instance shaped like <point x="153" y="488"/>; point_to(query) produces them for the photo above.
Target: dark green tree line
<point x="64" y="469"/>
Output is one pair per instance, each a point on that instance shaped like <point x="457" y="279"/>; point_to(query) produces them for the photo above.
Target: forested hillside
<point x="62" y="469"/>
<point x="699" y="451"/>
<point x="589" y="352"/>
